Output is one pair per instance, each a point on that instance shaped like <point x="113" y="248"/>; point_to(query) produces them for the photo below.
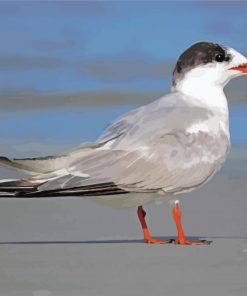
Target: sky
<point x="68" y="68"/>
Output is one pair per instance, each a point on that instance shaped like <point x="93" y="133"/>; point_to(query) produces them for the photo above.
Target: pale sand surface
<point x="131" y="268"/>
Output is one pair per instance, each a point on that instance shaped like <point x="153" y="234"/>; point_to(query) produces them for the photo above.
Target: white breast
<point x="216" y="124"/>
<point x="209" y="96"/>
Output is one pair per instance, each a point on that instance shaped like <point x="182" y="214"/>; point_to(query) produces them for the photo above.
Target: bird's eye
<point x="219" y="58"/>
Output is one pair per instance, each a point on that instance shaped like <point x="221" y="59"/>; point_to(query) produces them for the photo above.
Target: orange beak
<point x="242" y="68"/>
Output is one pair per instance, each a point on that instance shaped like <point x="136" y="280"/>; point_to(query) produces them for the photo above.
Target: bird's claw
<point x="190" y="242"/>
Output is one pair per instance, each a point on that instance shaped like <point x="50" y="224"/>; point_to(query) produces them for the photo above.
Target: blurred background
<point x="68" y="68"/>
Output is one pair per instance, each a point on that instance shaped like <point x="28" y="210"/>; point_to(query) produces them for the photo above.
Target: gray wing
<point x="121" y="125"/>
<point x="48" y="164"/>
<point x="151" y="149"/>
<point x="178" y="162"/>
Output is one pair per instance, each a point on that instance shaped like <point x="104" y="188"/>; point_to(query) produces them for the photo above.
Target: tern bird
<point x="153" y="153"/>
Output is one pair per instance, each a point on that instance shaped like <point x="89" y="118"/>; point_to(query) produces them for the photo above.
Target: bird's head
<point x="206" y="64"/>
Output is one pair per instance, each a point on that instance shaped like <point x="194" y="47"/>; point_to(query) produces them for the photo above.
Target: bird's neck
<point x="210" y="97"/>
<point x="203" y="93"/>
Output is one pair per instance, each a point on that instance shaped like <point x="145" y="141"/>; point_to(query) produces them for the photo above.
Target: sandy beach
<point x="120" y="268"/>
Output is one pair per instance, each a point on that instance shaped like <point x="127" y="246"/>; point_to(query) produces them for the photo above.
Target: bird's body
<point x="170" y="146"/>
<point x="159" y="150"/>
<point x="153" y="153"/>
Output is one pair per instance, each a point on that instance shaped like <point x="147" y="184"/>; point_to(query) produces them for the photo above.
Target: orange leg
<point x="181" y="239"/>
<point x="147" y="236"/>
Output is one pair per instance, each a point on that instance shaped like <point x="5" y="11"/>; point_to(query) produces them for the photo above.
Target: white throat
<point x="200" y="92"/>
<point x="203" y="91"/>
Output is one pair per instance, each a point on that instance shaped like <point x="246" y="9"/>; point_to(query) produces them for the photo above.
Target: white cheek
<point x="237" y="58"/>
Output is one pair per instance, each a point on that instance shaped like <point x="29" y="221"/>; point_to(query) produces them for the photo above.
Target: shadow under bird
<point x="153" y="153"/>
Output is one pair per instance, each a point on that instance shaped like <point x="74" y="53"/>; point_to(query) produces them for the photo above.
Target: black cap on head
<point x="199" y="53"/>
